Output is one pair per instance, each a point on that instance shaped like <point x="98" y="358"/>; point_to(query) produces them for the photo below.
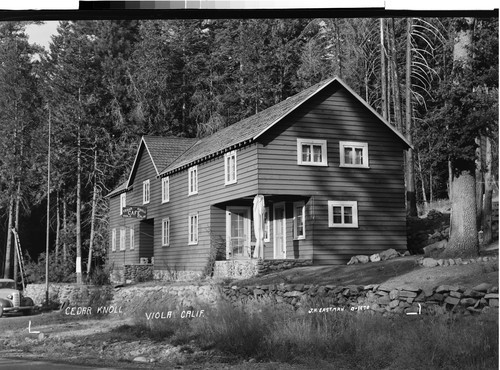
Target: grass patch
<point x="267" y="331"/>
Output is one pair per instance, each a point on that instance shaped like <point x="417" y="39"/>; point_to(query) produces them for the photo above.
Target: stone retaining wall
<point x="266" y="266"/>
<point x="74" y="294"/>
<point x="138" y="272"/>
<point x="379" y="298"/>
<point x="431" y="262"/>
<point x="236" y="269"/>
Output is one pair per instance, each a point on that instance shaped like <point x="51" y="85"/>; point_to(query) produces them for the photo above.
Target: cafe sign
<point x="134" y="212"/>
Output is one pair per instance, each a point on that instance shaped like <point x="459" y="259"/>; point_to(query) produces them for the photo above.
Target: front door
<point x="279" y="231"/>
<point x="238" y="232"/>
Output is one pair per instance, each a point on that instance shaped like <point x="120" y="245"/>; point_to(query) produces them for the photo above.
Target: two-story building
<point x="328" y="168"/>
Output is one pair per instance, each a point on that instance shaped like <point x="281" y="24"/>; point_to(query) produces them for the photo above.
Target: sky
<point x="40" y="34"/>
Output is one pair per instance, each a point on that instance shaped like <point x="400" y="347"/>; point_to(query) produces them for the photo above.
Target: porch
<point x="286" y="230"/>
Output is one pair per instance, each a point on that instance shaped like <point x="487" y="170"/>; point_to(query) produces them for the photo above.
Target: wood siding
<point x="336" y="116"/>
<point x="179" y="255"/>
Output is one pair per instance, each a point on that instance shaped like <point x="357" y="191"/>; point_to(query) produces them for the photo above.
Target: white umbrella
<point x="258" y="225"/>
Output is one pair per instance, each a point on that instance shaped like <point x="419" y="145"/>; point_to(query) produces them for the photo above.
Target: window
<point x="145" y="192"/>
<point x="342" y="213"/>
<point x="122" y="239"/>
<point x="123" y="202"/>
<point x="267" y="225"/>
<point x="193" y="180"/>
<point x="299" y="220"/>
<point x="230" y="168"/>
<point x="132" y="241"/>
<point x="165" y="232"/>
<point x="311" y="152"/>
<point x="113" y="240"/>
<point x="193" y="228"/>
<point x="353" y="154"/>
<point x="165" y="189"/>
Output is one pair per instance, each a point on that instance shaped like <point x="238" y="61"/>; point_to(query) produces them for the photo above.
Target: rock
<point x="394" y="303"/>
<point x="394" y="294"/>
<point x="434" y="248"/>
<point x="491" y="296"/>
<point x="456" y="294"/>
<point x="483" y="287"/>
<point x="440" y="262"/>
<point x="375" y="257"/>
<point x="428" y="291"/>
<point x="451" y="261"/>
<point x="493" y="290"/>
<point x="406" y="294"/>
<point x="447" y="288"/>
<point x="388" y="254"/>
<point x="140" y="359"/>
<point x="353" y="261"/>
<point x="41" y="336"/>
<point x="468" y="301"/>
<point x="429" y="262"/>
<point x="384" y="300"/>
<point x="452" y="300"/>
<point x="493" y="302"/>
<point x="363" y="259"/>
<point x="473" y="294"/>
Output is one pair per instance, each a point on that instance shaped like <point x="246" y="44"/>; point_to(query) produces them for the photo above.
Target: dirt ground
<point x="90" y="341"/>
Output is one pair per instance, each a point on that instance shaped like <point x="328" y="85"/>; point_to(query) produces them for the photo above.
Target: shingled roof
<point x="250" y="128"/>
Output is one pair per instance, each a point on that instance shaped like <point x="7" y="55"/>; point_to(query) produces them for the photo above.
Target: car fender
<point x="5" y="302"/>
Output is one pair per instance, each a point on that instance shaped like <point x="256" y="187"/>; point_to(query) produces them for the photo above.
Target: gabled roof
<point x="162" y="151"/>
<point x="251" y="128"/>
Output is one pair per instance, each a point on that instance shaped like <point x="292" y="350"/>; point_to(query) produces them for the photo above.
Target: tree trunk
<point x="463" y="231"/>
<point x="79" y="200"/>
<point x="479" y="181"/>
<point x="395" y="79"/>
<point x="8" y="248"/>
<point x="92" y="217"/>
<point x="65" y="229"/>
<point x="58" y="226"/>
<point x="383" y="70"/>
<point x="411" y="199"/>
<point x="488" y="193"/>
<point x="16" y="225"/>
<point x="424" y="196"/>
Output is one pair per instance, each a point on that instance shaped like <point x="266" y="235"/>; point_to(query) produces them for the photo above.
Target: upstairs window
<point x="123" y="202"/>
<point x="145" y="191"/>
<point x="193" y="228"/>
<point x="230" y="168"/>
<point x="342" y="213"/>
<point x="165" y="189"/>
<point x="353" y="154"/>
<point x="311" y="152"/>
<point x="193" y="180"/>
<point x="299" y="217"/>
<point x="165" y="232"/>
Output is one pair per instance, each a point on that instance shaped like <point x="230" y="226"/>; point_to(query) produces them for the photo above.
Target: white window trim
<point x="132" y="240"/>
<point x="113" y="240"/>
<point x="195" y="185"/>
<point x="324" y="152"/>
<point x="354" y="144"/>
<point x="267" y="225"/>
<point x="123" y="236"/>
<point x="146" y="191"/>
<point x="193" y="238"/>
<point x="295" y="205"/>
<point x="123" y="202"/>
<point x="165" y="189"/>
<point x="227" y="156"/>
<point x="343" y="203"/>
<point x="165" y="232"/>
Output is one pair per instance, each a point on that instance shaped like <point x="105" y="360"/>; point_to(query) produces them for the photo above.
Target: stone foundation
<point x="236" y="269"/>
<point x="173" y="275"/>
<point x="74" y="294"/>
